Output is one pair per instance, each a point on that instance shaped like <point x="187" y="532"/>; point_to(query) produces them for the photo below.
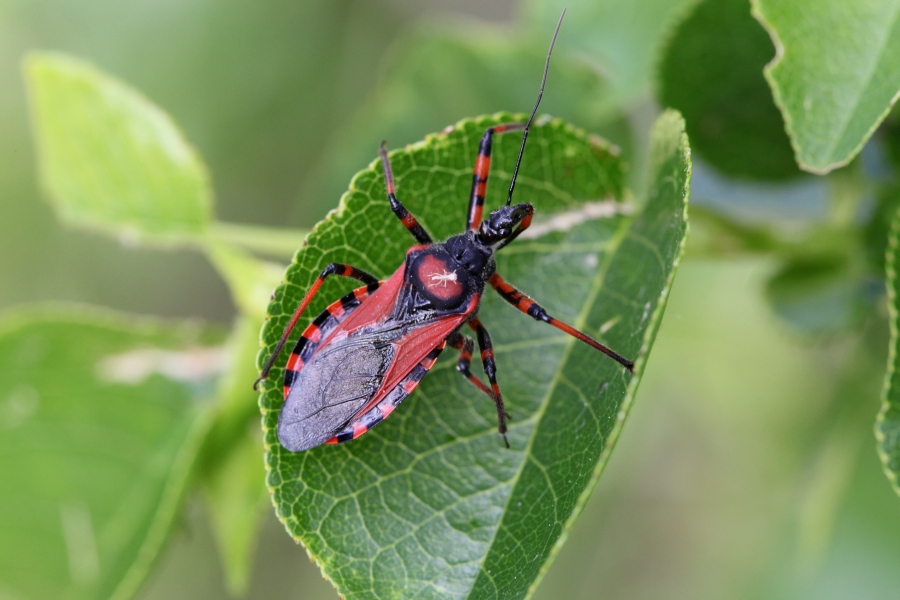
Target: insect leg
<point x="482" y="170"/>
<point x="534" y="310"/>
<point x="406" y="217"/>
<point x="466" y="346"/>
<point x="490" y="369"/>
<point x="332" y="269"/>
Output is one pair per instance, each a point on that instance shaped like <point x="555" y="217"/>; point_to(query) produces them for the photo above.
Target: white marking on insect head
<point x="441" y="279"/>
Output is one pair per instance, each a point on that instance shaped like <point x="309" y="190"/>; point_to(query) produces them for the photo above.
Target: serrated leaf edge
<point x="893" y="318"/>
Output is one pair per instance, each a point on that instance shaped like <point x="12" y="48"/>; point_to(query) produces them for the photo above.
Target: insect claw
<point x="256" y="383"/>
<point x="505" y="441"/>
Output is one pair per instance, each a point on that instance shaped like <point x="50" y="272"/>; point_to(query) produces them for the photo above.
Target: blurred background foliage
<point x="748" y="468"/>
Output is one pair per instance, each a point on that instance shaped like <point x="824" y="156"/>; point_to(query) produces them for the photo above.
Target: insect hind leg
<point x="466" y="346"/>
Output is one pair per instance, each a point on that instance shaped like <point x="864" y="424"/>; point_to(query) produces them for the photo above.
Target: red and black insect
<point x="369" y="350"/>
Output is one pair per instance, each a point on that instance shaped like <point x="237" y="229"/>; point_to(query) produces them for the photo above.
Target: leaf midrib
<point x="597" y="286"/>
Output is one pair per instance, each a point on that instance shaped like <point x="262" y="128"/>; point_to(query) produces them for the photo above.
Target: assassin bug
<point x="368" y="351"/>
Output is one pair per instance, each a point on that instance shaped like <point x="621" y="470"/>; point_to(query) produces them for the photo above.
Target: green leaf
<point x="621" y="39"/>
<point x="101" y="422"/>
<point x="836" y="73"/>
<point x="429" y="503"/>
<point x="712" y="73"/>
<point x="887" y="426"/>
<point x="110" y="159"/>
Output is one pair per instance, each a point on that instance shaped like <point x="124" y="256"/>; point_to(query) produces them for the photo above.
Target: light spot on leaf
<point x="19" y="406"/>
<point x="609" y="324"/>
<point x="133" y="367"/>
<point x="589" y="211"/>
<point x="81" y="543"/>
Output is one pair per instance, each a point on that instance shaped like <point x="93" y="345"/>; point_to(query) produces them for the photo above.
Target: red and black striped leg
<point x="333" y="269"/>
<point x="490" y="369"/>
<point x="406" y="217"/>
<point x="466" y="346"/>
<point x="534" y="310"/>
<point x="482" y="170"/>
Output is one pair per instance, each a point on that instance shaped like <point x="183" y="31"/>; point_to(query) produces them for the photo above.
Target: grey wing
<point x="331" y="389"/>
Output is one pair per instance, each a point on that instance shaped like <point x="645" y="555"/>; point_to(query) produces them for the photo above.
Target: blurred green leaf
<point x="112" y="160"/>
<point x="819" y="294"/>
<point x="101" y="421"/>
<point x="836" y="73"/>
<point x="439" y="75"/>
<point x="429" y="503"/>
<point x="887" y="426"/>
<point x="250" y="279"/>
<point x="877" y="231"/>
<point x="839" y="431"/>
<point x="715" y="234"/>
<point x="620" y="39"/>
<point x="236" y="498"/>
<point x="279" y="243"/>
<point x="231" y="471"/>
<point x="712" y="72"/>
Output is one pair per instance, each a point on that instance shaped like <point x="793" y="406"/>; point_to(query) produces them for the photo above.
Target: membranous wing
<point x="337" y="382"/>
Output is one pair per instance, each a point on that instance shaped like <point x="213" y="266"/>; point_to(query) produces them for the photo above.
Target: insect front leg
<point x="490" y="369"/>
<point x="406" y="217"/>
<point x="333" y="269"/>
<point x="482" y="170"/>
<point x="537" y="312"/>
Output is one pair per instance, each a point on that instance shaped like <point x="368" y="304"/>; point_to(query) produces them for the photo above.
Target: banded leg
<point x="332" y="269"/>
<point x="466" y="346"/>
<point x="535" y="311"/>
<point x="490" y="369"/>
<point x="482" y="170"/>
<point x="406" y="217"/>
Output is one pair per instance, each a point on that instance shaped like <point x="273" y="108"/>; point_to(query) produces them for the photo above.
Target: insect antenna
<point x="512" y="184"/>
